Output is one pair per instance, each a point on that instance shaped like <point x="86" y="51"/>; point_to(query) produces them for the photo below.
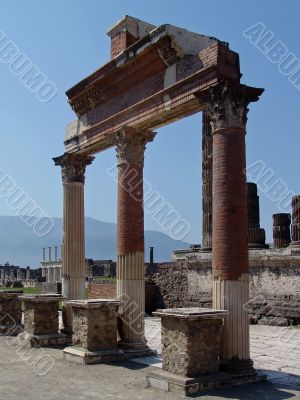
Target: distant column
<point x="281" y="230"/>
<point x="28" y="274"/>
<point x="50" y="257"/>
<point x="2" y="274"/>
<point x="207" y="148"/>
<point x="296" y="220"/>
<point x="12" y="274"/>
<point x="256" y="235"/>
<point x="19" y="275"/>
<point x="44" y="253"/>
<point x="73" y="168"/>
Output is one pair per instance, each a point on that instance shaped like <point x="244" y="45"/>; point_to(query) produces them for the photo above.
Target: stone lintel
<point x="192" y="313"/>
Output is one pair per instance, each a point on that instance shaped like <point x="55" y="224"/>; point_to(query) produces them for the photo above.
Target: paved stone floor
<point x="42" y="374"/>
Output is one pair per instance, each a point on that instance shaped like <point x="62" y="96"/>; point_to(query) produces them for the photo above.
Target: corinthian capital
<point x="131" y="145"/>
<point x="227" y="104"/>
<point x="73" y="166"/>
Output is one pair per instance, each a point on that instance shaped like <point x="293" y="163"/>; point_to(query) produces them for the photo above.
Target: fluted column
<point x="73" y="250"/>
<point x="206" y="182"/>
<point x="227" y="109"/>
<point x="130" y="146"/>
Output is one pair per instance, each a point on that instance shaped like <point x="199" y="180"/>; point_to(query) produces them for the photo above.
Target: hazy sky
<point x="66" y="40"/>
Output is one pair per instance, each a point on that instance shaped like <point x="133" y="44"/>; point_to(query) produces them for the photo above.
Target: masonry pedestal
<point x="10" y="313"/>
<point x="191" y="347"/>
<point x="94" y="332"/>
<point x="41" y="324"/>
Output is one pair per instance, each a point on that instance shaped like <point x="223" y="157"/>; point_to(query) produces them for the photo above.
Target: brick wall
<point x="102" y="289"/>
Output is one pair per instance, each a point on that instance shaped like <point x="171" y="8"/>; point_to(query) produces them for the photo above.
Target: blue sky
<point x="67" y="41"/>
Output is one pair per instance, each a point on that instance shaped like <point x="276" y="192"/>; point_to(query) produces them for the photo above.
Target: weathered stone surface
<point x="274" y="285"/>
<point x="41" y="314"/>
<point x="10" y="313"/>
<point x="95" y="324"/>
<point x="191" y="347"/>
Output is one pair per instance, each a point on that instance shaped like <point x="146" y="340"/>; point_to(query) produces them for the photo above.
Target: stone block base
<point x="182" y="385"/>
<point x="53" y="340"/>
<point x="85" y="357"/>
<point x="81" y="356"/>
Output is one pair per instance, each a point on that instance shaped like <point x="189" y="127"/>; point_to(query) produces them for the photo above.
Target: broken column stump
<point x="94" y="332"/>
<point x="41" y="321"/>
<point x="10" y="313"/>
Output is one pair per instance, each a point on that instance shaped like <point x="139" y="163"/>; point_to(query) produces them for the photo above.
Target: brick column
<point x="296" y="221"/>
<point x="227" y="109"/>
<point x="206" y="182"/>
<point x="73" y="255"/>
<point x="130" y="146"/>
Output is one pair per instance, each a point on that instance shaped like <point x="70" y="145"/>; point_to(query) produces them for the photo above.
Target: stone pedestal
<point x="41" y="324"/>
<point x="10" y="313"/>
<point x="191" y="348"/>
<point x="94" y="332"/>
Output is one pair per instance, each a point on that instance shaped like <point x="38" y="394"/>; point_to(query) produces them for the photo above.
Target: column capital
<point x="227" y="104"/>
<point x="73" y="166"/>
<point x="131" y="145"/>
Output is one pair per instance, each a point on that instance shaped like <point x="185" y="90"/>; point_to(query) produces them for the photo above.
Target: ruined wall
<point x="274" y="286"/>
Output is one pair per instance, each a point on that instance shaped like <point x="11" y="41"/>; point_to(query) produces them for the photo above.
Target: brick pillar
<point x="130" y="147"/>
<point x="256" y="235"/>
<point x="296" y="220"/>
<point x="206" y="182"/>
<point x="73" y="257"/>
<point x="227" y="109"/>
<point x="281" y="230"/>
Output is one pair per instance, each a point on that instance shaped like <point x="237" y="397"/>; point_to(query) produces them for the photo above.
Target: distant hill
<point x="19" y="244"/>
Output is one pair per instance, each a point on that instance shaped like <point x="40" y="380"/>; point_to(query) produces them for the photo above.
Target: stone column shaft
<point x="73" y="250"/>
<point x="130" y="236"/>
<point x="73" y="259"/>
<point x="206" y="182"/>
<point x="227" y="109"/>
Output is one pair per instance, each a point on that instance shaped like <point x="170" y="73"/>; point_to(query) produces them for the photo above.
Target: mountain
<point x="20" y="245"/>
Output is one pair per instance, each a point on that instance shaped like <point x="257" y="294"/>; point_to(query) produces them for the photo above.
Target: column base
<point x="238" y="368"/>
<point x="136" y="349"/>
<point x="183" y="385"/>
